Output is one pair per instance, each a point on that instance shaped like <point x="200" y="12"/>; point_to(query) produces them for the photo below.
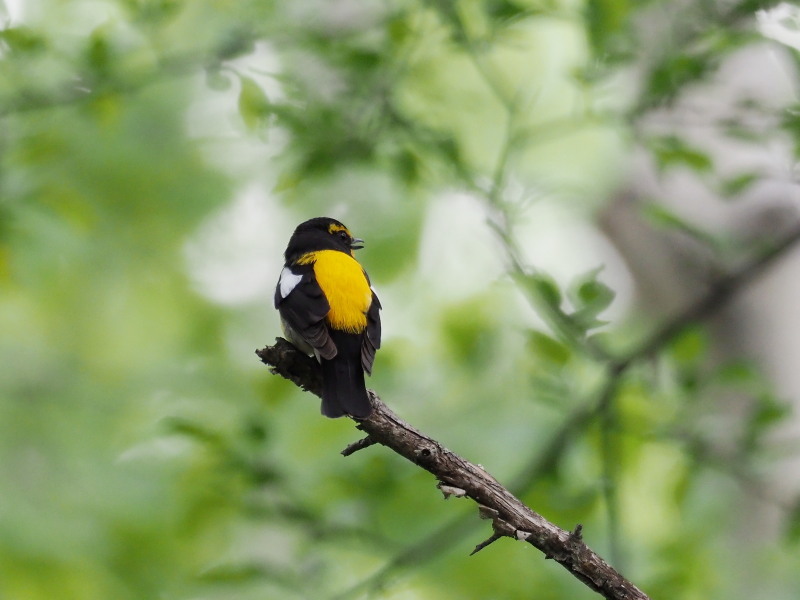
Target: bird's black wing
<point x="372" y="337"/>
<point x="303" y="307"/>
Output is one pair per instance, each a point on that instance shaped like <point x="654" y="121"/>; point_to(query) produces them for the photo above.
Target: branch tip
<point x="491" y="540"/>
<point x="518" y="521"/>
<point x="576" y="535"/>
<point x="364" y="442"/>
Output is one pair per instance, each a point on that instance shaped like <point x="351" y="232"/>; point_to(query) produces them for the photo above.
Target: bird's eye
<point x="343" y="236"/>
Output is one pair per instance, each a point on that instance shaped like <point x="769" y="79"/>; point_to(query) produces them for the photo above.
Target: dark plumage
<point x="320" y="269"/>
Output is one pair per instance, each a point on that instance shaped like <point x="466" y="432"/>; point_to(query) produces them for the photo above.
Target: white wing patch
<point x="288" y="281"/>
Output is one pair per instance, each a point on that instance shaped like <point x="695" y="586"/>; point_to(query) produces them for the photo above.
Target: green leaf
<point x="546" y="298"/>
<point x="793" y="523"/>
<point x="672" y="151"/>
<point x="98" y="51"/>
<point x="738" y="184"/>
<point x="588" y="291"/>
<point x="689" y="347"/>
<point x="287" y="180"/>
<point x="243" y="573"/>
<point x="22" y="39"/>
<point x="737" y="373"/>
<point x="791" y="124"/>
<point x="503" y="10"/>
<point x="672" y="74"/>
<point x="589" y="297"/>
<point x="766" y="414"/>
<point x="664" y="218"/>
<point x="236" y="42"/>
<point x="769" y="412"/>
<point x="408" y="166"/>
<point x="546" y="289"/>
<point x="195" y="431"/>
<point x="608" y="21"/>
<point x="734" y="128"/>
<point x="748" y="8"/>
<point x="254" y="106"/>
<point x="363" y="59"/>
<point x="449" y="149"/>
<point x="549" y="349"/>
<point x="398" y="29"/>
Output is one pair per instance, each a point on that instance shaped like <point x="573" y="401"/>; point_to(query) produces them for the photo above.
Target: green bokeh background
<point x="154" y="158"/>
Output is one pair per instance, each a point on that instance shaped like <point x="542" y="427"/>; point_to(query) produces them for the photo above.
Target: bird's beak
<point x="356" y="244"/>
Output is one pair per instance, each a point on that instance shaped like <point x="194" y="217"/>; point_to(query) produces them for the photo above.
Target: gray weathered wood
<point x="510" y="517"/>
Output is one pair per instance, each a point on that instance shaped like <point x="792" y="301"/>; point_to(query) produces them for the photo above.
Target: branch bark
<point x="510" y="517"/>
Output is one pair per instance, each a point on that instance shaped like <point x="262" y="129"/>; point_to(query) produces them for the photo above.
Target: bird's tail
<point x="343" y="387"/>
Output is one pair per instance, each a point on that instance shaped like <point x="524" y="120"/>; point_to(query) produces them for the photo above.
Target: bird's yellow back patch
<point x="345" y="286"/>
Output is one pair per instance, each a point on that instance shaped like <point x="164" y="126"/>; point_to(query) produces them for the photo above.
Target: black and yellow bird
<point x="328" y="309"/>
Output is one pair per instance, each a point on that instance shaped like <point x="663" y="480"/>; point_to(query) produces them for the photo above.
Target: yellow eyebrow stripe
<point x="333" y="228"/>
<point x="345" y="286"/>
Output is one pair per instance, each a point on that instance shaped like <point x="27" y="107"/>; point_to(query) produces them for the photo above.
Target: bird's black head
<point x="321" y="233"/>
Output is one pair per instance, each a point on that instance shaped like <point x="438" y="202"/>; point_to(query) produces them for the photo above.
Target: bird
<point x="328" y="309"/>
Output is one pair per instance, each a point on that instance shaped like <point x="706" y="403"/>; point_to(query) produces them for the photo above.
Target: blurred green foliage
<point x="143" y="451"/>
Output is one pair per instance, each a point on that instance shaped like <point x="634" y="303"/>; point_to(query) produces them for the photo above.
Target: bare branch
<point x="512" y="515"/>
<point x="365" y="442"/>
<point x="719" y="293"/>
<point x="303" y="371"/>
<point x="447" y="535"/>
<point x="494" y="537"/>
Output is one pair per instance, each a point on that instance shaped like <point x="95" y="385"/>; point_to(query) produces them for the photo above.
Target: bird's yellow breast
<point x="345" y="286"/>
